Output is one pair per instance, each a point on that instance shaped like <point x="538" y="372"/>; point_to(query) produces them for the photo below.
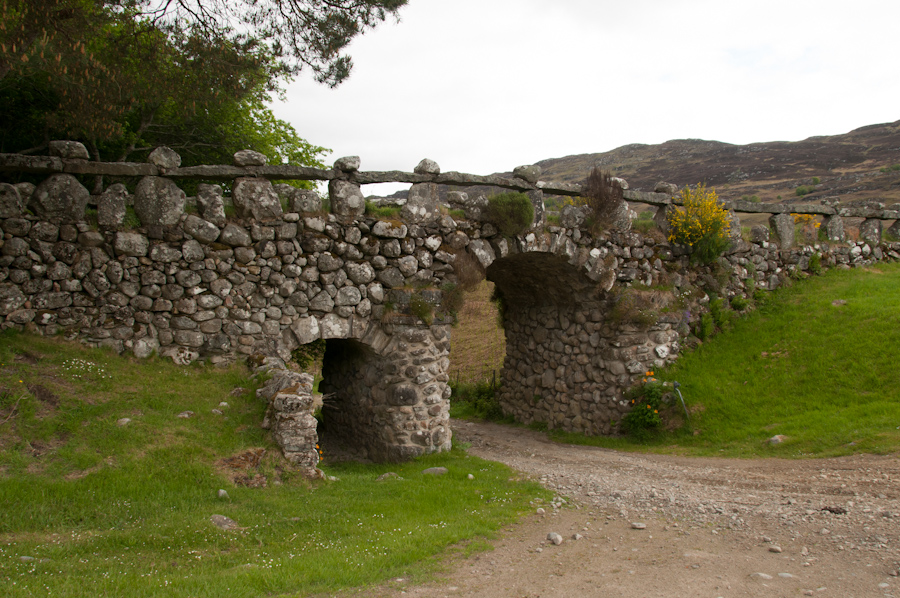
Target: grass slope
<point x="89" y="507"/>
<point x="478" y="344"/>
<point x="815" y="363"/>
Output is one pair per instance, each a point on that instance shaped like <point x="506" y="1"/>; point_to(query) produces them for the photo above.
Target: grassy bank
<point x="91" y="505"/>
<point x="816" y="363"/>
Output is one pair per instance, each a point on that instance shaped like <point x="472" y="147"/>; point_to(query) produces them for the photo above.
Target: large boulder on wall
<point x="60" y="198"/>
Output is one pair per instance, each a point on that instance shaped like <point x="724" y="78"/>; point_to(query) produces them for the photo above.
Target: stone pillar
<point x="734" y="229"/>
<point x="256" y="199"/>
<point x="661" y="218"/>
<point x="894" y="230"/>
<point x="783" y="225"/>
<point x="834" y="229"/>
<point x="537" y="201"/>
<point x="870" y="231"/>
<point x="422" y="205"/>
<point x="346" y="198"/>
<point x="158" y="201"/>
<point x="289" y="415"/>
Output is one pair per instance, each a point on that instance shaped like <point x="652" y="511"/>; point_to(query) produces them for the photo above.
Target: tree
<point x="122" y="74"/>
<point x="310" y="33"/>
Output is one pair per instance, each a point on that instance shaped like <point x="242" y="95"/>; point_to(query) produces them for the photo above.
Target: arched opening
<point x="350" y="371"/>
<point x="385" y="394"/>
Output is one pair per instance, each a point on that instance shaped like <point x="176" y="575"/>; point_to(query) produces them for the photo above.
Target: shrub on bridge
<point x="603" y="198"/>
<point x="702" y="224"/>
<point x="511" y="212"/>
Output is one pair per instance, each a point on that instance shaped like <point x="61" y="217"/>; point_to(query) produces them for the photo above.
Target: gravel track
<point x="655" y="525"/>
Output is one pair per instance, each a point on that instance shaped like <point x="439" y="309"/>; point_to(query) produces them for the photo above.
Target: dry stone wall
<point x="571" y="353"/>
<point x="585" y="315"/>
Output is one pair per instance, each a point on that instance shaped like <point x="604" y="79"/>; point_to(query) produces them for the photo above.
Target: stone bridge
<point x="143" y="268"/>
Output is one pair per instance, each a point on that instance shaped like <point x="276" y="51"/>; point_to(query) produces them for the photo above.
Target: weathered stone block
<point x="211" y="204"/>
<point x="11" y="203"/>
<point x="131" y="244"/>
<point x="60" y="198"/>
<point x="111" y="207"/>
<point x="256" y="198"/>
<point x="346" y="198"/>
<point x="158" y="201"/>
<point x="783" y="225"/>
<point x="422" y="205"/>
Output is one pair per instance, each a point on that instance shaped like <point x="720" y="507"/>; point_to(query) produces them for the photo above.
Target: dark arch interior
<point x="530" y="279"/>
<point x="345" y="423"/>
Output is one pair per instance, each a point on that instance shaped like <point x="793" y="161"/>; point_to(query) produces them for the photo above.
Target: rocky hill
<point x="862" y="165"/>
<point x="857" y="167"/>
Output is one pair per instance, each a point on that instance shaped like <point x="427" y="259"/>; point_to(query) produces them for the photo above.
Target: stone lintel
<point x="463" y="180"/>
<point x="282" y="171"/>
<point x="654" y="199"/>
<point x="35" y="164"/>
<point x="110" y="168"/>
<point x="552" y="188"/>
<point x="391" y="176"/>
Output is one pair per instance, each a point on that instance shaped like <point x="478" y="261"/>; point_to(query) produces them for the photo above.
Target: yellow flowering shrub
<point x="701" y="223"/>
<point x="806" y="227"/>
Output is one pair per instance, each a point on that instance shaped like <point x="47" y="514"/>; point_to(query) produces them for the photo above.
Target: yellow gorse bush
<point x="702" y="223"/>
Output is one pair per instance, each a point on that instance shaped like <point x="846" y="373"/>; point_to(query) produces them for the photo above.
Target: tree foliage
<point x="299" y="33"/>
<point x="125" y="75"/>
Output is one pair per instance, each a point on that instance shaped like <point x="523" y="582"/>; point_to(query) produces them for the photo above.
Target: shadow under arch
<point x="388" y="393"/>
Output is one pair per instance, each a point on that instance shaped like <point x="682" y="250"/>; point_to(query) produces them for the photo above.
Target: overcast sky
<point x="482" y="86"/>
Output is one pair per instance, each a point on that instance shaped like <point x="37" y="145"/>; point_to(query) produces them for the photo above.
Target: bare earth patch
<point x="711" y="527"/>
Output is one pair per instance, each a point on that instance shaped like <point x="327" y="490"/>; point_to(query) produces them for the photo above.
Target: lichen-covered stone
<point x="72" y="150"/>
<point x="346" y="198"/>
<point x="249" y="158"/>
<point x="60" y="198"/>
<point x="256" y="199"/>
<point x="158" y="201"/>
<point x="422" y="205"/>
<point x="211" y="204"/>
<point x="202" y="230"/>
<point x="530" y="173"/>
<point x="11" y="204"/>
<point x="783" y="225"/>
<point x="235" y="236"/>
<point x="427" y="166"/>
<point x="165" y="158"/>
<point x="111" y="207"/>
<point x="347" y="164"/>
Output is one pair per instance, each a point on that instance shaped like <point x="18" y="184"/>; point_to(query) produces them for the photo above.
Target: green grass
<point x="109" y="510"/>
<point x="822" y="375"/>
<point x="382" y="212"/>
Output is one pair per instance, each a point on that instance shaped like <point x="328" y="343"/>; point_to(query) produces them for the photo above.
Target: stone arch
<point x="388" y="389"/>
<point x="556" y="325"/>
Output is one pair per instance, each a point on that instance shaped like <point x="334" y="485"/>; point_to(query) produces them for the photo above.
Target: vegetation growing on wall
<point x="702" y="224"/>
<point x="603" y="199"/>
<point x="511" y="212"/>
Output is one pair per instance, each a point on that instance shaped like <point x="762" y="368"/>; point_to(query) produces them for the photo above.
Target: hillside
<point x="860" y="166"/>
<point x="853" y="166"/>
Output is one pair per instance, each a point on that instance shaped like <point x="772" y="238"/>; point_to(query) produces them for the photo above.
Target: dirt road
<point x="658" y="526"/>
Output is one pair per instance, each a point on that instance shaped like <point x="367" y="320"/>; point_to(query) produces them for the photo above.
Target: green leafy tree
<point x="122" y="75"/>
